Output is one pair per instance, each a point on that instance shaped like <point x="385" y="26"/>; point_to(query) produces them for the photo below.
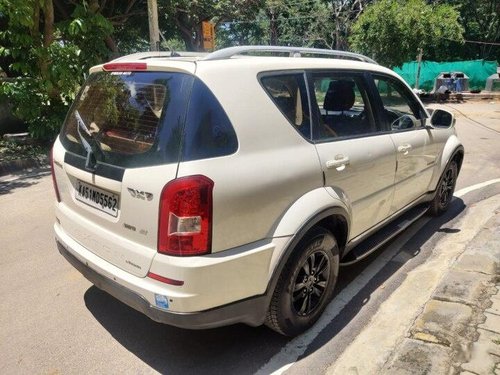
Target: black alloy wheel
<point x="445" y="189"/>
<point x="310" y="284"/>
<point x="306" y="283"/>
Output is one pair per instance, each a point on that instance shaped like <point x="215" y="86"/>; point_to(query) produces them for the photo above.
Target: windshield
<point x="126" y="115"/>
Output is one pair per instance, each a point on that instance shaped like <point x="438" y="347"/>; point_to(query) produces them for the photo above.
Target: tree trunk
<point x="48" y="38"/>
<point x="48" y="32"/>
<point x="338" y="45"/>
<point x="273" y="30"/>
<point x="186" y="36"/>
<point x="35" y="28"/>
<point x="110" y="43"/>
<point x="94" y="6"/>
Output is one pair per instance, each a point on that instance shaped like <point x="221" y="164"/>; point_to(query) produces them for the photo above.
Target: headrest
<point x="340" y="96"/>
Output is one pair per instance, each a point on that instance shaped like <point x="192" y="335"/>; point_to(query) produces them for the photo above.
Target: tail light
<point x="185" y="223"/>
<point x="54" y="181"/>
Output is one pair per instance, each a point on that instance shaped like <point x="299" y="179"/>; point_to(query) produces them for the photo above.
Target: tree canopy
<point x="47" y="46"/>
<point x="392" y="31"/>
<point x="481" y="22"/>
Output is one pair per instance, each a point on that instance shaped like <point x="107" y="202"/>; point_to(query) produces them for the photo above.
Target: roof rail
<point x="159" y="54"/>
<point x="227" y="53"/>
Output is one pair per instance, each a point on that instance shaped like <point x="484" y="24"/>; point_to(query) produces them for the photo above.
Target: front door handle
<point x="339" y="162"/>
<point x="404" y="149"/>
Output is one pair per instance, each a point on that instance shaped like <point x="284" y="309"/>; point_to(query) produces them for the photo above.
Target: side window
<point x="209" y="132"/>
<point x="401" y="110"/>
<point x="288" y="92"/>
<point x="343" y="107"/>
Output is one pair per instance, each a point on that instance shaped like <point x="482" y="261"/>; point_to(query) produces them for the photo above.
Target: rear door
<point x="118" y="148"/>
<point x="356" y="154"/>
<point x="417" y="151"/>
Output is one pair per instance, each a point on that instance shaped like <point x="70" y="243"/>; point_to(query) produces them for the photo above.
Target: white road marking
<point x="468" y="189"/>
<point x="289" y="354"/>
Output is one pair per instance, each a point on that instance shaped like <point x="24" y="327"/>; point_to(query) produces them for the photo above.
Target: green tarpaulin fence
<point x="477" y="70"/>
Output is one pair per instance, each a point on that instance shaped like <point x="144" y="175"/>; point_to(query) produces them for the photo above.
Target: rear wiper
<point x="91" y="145"/>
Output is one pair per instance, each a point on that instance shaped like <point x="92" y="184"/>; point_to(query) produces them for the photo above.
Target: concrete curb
<point x="458" y="331"/>
<point x="13" y="166"/>
<point x="464" y="97"/>
<point x="494" y="95"/>
<point x="429" y="324"/>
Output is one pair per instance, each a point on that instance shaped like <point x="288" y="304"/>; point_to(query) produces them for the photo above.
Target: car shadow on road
<point x="239" y="348"/>
<point x="235" y="349"/>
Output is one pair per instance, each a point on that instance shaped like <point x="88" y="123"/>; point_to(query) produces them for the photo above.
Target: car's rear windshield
<point x="126" y="115"/>
<point x="138" y="119"/>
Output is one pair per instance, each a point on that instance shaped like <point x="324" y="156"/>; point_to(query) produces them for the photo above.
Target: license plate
<point x="93" y="196"/>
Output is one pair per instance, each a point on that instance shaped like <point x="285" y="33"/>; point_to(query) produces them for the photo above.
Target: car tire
<point x="444" y="190"/>
<point x="306" y="284"/>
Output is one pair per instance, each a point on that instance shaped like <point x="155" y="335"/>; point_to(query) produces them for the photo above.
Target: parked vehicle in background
<point x="206" y="191"/>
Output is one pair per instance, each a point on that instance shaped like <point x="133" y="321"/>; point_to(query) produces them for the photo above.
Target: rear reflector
<point x="185" y="222"/>
<point x="125" y="67"/>
<point x="165" y="280"/>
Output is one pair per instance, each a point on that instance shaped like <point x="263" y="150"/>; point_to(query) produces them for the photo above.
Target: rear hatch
<point x="118" y="148"/>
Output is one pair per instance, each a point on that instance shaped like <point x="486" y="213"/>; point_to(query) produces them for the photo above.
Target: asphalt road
<point x="54" y="321"/>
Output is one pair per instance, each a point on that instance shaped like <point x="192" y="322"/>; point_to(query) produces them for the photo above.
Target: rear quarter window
<point x="209" y="132"/>
<point x="289" y="94"/>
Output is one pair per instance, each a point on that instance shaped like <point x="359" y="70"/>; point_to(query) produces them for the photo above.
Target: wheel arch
<point x="334" y="218"/>
<point x="453" y="150"/>
<point x="458" y="156"/>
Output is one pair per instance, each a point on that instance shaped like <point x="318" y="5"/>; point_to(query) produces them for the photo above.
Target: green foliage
<point x="11" y="150"/>
<point x="392" y="31"/>
<point x="87" y="30"/>
<point x="281" y="22"/>
<point x="33" y="104"/>
<point x="302" y="23"/>
<point x="182" y="19"/>
<point x="46" y="58"/>
<point x="173" y="44"/>
<point x="47" y="76"/>
<point x="481" y="22"/>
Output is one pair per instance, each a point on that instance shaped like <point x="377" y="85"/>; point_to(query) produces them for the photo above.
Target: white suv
<point x="210" y="190"/>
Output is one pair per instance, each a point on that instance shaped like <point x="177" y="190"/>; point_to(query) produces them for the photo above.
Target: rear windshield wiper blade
<point x="91" y="145"/>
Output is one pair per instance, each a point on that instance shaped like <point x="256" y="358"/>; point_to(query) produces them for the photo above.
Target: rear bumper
<point x="251" y="311"/>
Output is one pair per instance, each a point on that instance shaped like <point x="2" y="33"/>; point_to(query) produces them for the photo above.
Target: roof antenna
<point x="172" y="52"/>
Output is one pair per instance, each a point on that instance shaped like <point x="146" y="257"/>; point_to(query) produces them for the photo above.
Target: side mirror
<point x="441" y="118"/>
<point x="404" y="122"/>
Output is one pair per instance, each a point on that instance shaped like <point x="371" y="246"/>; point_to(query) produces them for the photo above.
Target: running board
<point x="384" y="235"/>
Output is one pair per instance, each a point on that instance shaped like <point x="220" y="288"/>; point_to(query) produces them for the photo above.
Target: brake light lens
<point x="124" y="67"/>
<point x="185" y="222"/>
<point x="54" y="181"/>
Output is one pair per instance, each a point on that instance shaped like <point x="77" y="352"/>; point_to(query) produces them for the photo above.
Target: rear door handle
<point x="339" y="162"/>
<point x="404" y="149"/>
